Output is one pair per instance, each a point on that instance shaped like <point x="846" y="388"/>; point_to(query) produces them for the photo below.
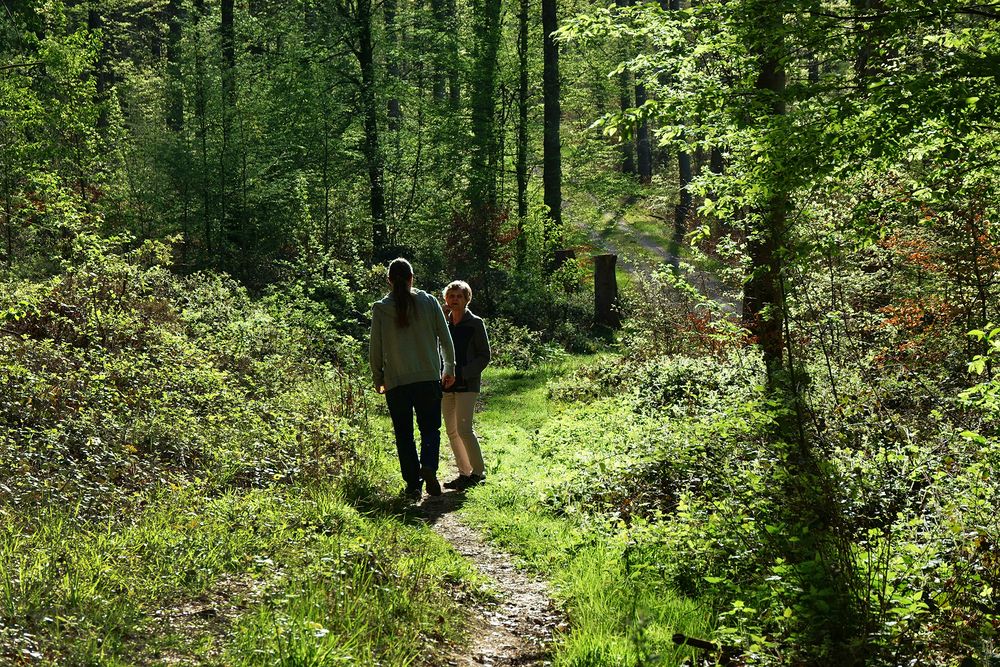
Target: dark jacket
<point x="472" y="352"/>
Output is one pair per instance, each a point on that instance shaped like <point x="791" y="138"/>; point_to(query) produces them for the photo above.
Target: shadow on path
<point x="432" y="508"/>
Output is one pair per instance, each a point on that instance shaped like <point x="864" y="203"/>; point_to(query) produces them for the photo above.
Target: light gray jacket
<point x="412" y="353"/>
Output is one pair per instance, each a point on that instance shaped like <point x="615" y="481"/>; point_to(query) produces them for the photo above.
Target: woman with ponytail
<point x="409" y="337"/>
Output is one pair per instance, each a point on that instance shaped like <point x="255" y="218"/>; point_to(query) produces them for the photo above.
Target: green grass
<point x="284" y="576"/>
<point x="620" y="612"/>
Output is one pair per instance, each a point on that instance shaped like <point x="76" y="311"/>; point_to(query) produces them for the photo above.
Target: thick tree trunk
<point x="482" y="174"/>
<point x="866" y="38"/>
<point x="551" y="158"/>
<point x="763" y="301"/>
<point x="606" y="291"/>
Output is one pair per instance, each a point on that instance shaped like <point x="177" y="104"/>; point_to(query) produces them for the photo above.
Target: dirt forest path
<point x="651" y="256"/>
<point x="517" y="629"/>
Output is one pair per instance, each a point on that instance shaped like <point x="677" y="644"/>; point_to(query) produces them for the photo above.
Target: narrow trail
<point x="654" y="256"/>
<point x="518" y="629"/>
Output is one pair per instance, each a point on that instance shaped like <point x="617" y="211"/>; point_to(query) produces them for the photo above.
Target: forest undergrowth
<point x="187" y="476"/>
<point x="648" y="485"/>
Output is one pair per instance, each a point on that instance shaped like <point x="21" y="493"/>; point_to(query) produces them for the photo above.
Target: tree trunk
<point x="683" y="207"/>
<point x="482" y="175"/>
<point x="454" y="69"/>
<point x="522" y="130"/>
<point x="392" y="64"/>
<point x="763" y="303"/>
<point x="625" y="103"/>
<point x="439" y="9"/>
<point x="102" y="75"/>
<point x="201" y="112"/>
<point x="371" y="146"/>
<point x="625" y="99"/>
<point x="551" y="158"/>
<point x="643" y="152"/>
<point x="606" y="291"/>
<point x="226" y="35"/>
<point x="175" y="92"/>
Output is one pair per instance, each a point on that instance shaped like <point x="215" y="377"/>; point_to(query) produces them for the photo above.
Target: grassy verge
<point x="603" y="568"/>
<point x="280" y="576"/>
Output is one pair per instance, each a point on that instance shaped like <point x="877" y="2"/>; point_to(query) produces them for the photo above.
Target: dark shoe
<point x="413" y="491"/>
<point x="433" y="487"/>
<point x="457" y="483"/>
<point x="473" y="480"/>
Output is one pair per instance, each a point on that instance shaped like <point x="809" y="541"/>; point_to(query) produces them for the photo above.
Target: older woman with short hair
<point x="472" y="355"/>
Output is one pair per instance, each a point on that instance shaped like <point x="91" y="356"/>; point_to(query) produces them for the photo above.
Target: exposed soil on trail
<point x="517" y="629"/>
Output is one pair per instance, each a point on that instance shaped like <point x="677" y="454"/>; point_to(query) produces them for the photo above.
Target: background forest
<point x="794" y="429"/>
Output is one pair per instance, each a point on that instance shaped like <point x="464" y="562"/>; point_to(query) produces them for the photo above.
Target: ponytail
<point x="399" y="274"/>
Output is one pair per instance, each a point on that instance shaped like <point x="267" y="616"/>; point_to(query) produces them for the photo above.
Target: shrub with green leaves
<point x="118" y="376"/>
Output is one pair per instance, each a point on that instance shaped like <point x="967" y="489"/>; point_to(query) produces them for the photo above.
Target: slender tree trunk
<point x="454" y="65"/>
<point x="175" y="92"/>
<point x="226" y="36"/>
<point x="392" y="64"/>
<point x="201" y="113"/>
<point x="371" y="146"/>
<point x="325" y="179"/>
<point x="8" y="209"/>
<point x="439" y="8"/>
<point x="102" y="74"/>
<point x="551" y="157"/>
<point x="643" y="151"/>
<point x="625" y="102"/>
<point x="684" y="174"/>
<point x="683" y="208"/>
<point x="522" y="130"/>
<point x="813" y="69"/>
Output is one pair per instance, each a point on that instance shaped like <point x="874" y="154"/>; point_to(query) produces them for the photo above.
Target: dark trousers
<point x="424" y="399"/>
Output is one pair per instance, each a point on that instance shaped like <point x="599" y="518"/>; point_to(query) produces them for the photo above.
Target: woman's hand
<point x="447" y="380"/>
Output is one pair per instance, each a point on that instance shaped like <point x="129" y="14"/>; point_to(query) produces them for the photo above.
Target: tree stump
<point x="606" y="291"/>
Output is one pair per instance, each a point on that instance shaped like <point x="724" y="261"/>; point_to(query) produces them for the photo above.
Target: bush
<point x="118" y="376"/>
<point x="608" y="376"/>
<point x="665" y="314"/>
<point x="518" y="347"/>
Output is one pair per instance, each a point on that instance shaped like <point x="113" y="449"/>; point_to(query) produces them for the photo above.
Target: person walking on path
<point x="472" y="355"/>
<point x="408" y="339"/>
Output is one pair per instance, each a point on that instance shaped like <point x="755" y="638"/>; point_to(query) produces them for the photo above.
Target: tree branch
<point x="16" y="65"/>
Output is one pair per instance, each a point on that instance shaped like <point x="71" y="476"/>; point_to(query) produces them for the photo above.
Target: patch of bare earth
<point x="517" y="629"/>
<point x="188" y="632"/>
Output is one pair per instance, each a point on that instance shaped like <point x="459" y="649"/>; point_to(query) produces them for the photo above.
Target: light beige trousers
<point x="457" y="408"/>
